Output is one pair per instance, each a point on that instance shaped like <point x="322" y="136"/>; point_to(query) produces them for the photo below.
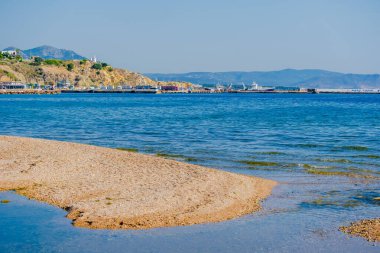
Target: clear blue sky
<point x="203" y="35"/>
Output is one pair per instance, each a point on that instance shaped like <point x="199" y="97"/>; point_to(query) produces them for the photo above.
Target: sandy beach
<point x="112" y="189"/>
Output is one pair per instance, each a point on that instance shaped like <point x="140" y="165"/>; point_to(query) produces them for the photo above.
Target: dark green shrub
<point x="97" y="66"/>
<point x="70" y="66"/>
<point x="38" y="60"/>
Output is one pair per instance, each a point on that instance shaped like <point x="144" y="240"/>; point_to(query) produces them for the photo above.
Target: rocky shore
<point x="368" y="229"/>
<point x="30" y="92"/>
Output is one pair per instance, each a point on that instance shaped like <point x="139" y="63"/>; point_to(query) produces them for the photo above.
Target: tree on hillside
<point x="7" y="55"/>
<point x="38" y="60"/>
<point x="97" y="66"/>
<point x="104" y="65"/>
<point x="70" y="66"/>
<point x="1" y="56"/>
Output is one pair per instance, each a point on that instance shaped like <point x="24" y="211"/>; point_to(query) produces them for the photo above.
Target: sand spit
<point x="369" y="229"/>
<point x="113" y="189"/>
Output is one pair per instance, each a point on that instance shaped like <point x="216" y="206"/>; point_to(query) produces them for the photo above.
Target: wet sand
<point x="112" y="189"/>
<point x="369" y="229"/>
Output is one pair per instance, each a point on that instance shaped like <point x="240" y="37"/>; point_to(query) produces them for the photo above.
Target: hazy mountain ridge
<point x="309" y="78"/>
<point x="49" y="52"/>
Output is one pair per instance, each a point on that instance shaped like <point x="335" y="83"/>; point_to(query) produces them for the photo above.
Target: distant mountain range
<point x="287" y="77"/>
<point x="48" y="52"/>
<point x="311" y="78"/>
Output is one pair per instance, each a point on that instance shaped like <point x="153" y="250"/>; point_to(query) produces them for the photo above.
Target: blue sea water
<point x="324" y="150"/>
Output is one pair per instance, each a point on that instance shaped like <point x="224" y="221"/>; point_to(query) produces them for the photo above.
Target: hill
<point x="286" y="77"/>
<point x="80" y="73"/>
<point x="48" y="52"/>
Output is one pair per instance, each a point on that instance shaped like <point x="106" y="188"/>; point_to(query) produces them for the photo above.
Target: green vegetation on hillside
<point x="37" y="61"/>
<point x="80" y="73"/>
<point x="97" y="66"/>
<point x="53" y="62"/>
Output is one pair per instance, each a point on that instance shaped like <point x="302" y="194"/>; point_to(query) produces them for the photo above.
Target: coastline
<point x="29" y="92"/>
<point x="201" y="91"/>
<point x="104" y="188"/>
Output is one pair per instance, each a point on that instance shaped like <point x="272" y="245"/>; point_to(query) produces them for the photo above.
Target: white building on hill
<point x="10" y="52"/>
<point x="93" y="59"/>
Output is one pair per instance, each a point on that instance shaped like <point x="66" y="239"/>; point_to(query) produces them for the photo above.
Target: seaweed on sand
<point x="128" y="149"/>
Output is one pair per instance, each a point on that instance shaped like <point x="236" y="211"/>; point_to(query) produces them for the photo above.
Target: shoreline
<point x="29" y="92"/>
<point x="59" y="91"/>
<point x="104" y="188"/>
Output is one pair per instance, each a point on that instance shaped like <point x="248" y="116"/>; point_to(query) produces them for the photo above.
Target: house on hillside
<point x="10" y="52"/>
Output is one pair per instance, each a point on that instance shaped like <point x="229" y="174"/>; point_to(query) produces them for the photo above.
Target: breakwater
<point x="22" y="91"/>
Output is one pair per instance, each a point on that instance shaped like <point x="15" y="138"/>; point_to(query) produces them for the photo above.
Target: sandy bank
<point x="109" y="188"/>
<point x="369" y="229"/>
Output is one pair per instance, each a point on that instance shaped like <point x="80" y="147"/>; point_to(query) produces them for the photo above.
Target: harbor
<point x="21" y="88"/>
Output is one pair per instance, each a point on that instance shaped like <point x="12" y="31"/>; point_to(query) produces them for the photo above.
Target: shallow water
<point x="323" y="149"/>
